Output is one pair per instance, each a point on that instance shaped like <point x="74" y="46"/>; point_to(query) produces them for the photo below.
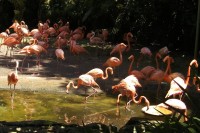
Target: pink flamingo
<point x="33" y="49"/>
<point x="84" y="80"/>
<point x="126" y="87"/>
<point x="145" y="51"/>
<point x="13" y="76"/>
<point x="120" y="46"/>
<point x="114" y="61"/>
<point x="175" y="104"/>
<point x="128" y="37"/>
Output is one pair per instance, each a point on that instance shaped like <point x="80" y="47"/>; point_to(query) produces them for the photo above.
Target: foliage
<point x="170" y="23"/>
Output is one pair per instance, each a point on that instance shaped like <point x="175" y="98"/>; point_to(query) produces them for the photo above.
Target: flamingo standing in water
<point x="13" y="76"/>
<point x="126" y="87"/>
<point x="84" y="80"/>
<point x="177" y="104"/>
<point x="13" y="79"/>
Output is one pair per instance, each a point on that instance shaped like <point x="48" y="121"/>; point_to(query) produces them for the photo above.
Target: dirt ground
<point x="52" y="75"/>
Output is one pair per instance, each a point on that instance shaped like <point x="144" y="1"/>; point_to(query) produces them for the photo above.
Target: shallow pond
<point x="65" y="108"/>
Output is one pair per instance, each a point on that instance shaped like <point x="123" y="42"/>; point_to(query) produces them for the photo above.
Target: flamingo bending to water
<point x="175" y="104"/>
<point x="84" y="80"/>
<point x="126" y="87"/>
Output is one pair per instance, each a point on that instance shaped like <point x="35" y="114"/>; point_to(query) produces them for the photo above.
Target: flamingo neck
<point x="156" y="58"/>
<point x="17" y="65"/>
<point x="168" y="66"/>
<point x="193" y="62"/>
<point x="140" y="100"/>
<point x="130" y="67"/>
<point x="120" y="56"/>
<point x="106" y="74"/>
<point x="69" y="84"/>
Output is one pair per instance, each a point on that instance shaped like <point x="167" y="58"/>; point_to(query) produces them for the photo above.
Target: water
<point x="65" y="108"/>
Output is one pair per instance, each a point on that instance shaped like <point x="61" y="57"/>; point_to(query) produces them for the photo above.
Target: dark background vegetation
<point x="169" y="23"/>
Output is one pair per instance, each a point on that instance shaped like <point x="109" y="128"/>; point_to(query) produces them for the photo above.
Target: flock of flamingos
<point x="39" y="44"/>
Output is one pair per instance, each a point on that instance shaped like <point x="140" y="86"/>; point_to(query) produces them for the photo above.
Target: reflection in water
<point x="62" y="108"/>
<point x="12" y="95"/>
<point x="69" y="120"/>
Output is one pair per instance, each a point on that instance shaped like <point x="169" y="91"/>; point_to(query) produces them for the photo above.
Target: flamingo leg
<point x="139" y="59"/>
<point x="118" y="98"/>
<point x="95" y="91"/>
<point x="23" y="62"/>
<point x="158" y="90"/>
<point x="12" y="99"/>
<point x="7" y="50"/>
<point x="37" y="64"/>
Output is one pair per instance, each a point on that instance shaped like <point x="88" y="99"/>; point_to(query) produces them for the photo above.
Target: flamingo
<point x="33" y="49"/>
<point x="98" y="73"/>
<point x="132" y="79"/>
<point x="13" y="76"/>
<point x="175" y="104"/>
<point x="158" y="75"/>
<point x="84" y="80"/>
<point x="59" y="54"/>
<point x="144" y="51"/>
<point x="120" y="46"/>
<point x="11" y="42"/>
<point x="114" y="61"/>
<point x="46" y="24"/>
<point x="148" y="70"/>
<point x="60" y="42"/>
<point x="128" y="36"/>
<point x="14" y="26"/>
<point x="63" y="27"/>
<point x="127" y="87"/>
<point x="95" y="40"/>
<point x="76" y="49"/>
<point x="53" y="31"/>
<point x="163" y="51"/>
<point x="137" y="73"/>
<point x="174" y="84"/>
<point x="104" y="34"/>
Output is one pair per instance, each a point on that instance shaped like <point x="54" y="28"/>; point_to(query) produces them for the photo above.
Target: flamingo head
<point x="131" y="57"/>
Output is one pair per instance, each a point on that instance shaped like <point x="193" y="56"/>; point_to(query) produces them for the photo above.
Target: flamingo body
<point x="13" y="76"/>
<point x="60" y="54"/>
